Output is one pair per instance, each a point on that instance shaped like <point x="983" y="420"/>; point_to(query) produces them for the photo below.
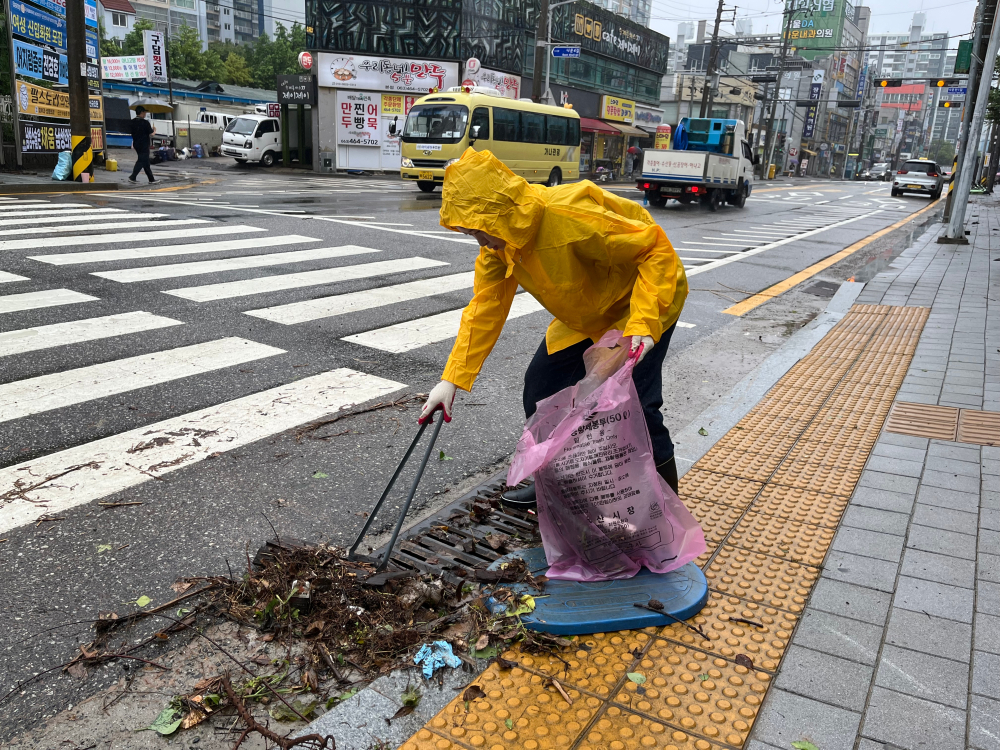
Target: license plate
<point x="670" y="190"/>
<point x="915" y="187"/>
<point x="426" y="176"/>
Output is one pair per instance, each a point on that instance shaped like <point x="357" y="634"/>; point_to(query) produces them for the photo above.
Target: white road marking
<point x="7" y="277"/>
<point x="413" y="334"/>
<point x="699" y="250"/>
<point x="134" y="253"/>
<point x="141" y="226"/>
<point x="48" y="298"/>
<point x="114" y="239"/>
<point x="174" y="270"/>
<point x="77" y="331"/>
<point x="84" y="214"/>
<point x="55" y="483"/>
<point x="682" y="324"/>
<point x="227" y="290"/>
<point x="342" y="304"/>
<point x="764" y="248"/>
<point x="745" y="240"/>
<point x="53" y="208"/>
<point x="719" y="244"/>
<point x="47" y="392"/>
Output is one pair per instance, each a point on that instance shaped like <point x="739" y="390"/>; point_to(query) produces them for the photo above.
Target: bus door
<point x="480" y="119"/>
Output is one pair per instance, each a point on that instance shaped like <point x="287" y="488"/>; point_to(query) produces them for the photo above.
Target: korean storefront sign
<point x="507" y="84"/>
<point x="815" y="88"/>
<point x="607" y="33"/>
<point x="37" y="25"/>
<point x="395" y="107"/>
<point x="156" y="61"/>
<point x="297" y="88"/>
<point x="384" y="73"/>
<point x="358" y="118"/>
<point x="35" y="62"/>
<point x="39" y="138"/>
<point x="617" y="109"/>
<point x="123" y="68"/>
<point x="35" y="101"/>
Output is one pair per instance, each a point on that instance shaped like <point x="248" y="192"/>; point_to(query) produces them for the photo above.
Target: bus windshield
<point x="436" y="123"/>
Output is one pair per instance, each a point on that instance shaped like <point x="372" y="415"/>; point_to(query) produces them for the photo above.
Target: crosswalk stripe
<point x="48" y="298"/>
<point x="101" y="239"/>
<point x="87" y="214"/>
<point x="342" y="304"/>
<point x="6" y="277"/>
<point x="55" y="209"/>
<point x="140" y="226"/>
<point x="226" y="290"/>
<point x="701" y="250"/>
<point x="174" y="270"/>
<point x="78" y="331"/>
<point x="103" y="467"/>
<point x="23" y="398"/>
<point x="413" y="334"/>
<point x="134" y="253"/>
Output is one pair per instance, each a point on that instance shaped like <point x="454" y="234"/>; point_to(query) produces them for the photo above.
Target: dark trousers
<point x="142" y="163"/>
<point x="550" y="373"/>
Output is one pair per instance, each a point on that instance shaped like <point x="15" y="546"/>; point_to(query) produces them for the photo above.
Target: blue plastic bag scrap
<point x="64" y="167"/>
<point x="435" y="655"/>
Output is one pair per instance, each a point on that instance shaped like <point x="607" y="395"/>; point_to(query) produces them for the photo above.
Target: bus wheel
<point x="427" y="187"/>
<point x="555" y="177"/>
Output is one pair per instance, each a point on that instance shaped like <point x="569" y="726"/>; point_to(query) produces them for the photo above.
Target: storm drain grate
<point x="466" y="535"/>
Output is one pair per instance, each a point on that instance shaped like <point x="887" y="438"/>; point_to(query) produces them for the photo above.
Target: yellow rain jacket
<point x="595" y="261"/>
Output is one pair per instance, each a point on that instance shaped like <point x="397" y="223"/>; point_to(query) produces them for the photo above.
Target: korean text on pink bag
<point x="603" y="511"/>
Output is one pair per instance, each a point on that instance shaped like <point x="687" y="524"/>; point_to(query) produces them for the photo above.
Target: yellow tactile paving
<point x="769" y="495"/>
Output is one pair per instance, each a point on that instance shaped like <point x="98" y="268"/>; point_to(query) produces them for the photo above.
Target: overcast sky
<point x="887" y="15"/>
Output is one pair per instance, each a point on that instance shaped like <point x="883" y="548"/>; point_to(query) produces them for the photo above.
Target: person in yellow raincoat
<point x="595" y="261"/>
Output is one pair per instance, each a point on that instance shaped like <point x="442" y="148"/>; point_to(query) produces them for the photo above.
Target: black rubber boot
<point x="668" y="470"/>
<point x="522" y="499"/>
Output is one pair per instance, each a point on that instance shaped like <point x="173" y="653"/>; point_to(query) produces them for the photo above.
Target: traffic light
<point x="889" y="83"/>
<point x="942" y="82"/>
<point x="951" y="105"/>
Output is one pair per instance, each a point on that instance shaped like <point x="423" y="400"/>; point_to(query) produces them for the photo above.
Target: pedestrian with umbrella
<point x="142" y="133"/>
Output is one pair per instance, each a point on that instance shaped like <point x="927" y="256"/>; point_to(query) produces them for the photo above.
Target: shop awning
<point x="811" y="153"/>
<point x="590" y="125"/>
<point x="628" y="129"/>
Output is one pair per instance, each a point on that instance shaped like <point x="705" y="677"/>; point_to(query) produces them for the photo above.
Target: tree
<point x="108" y="47"/>
<point x="133" y="44"/>
<point x="941" y="151"/>
<point x="238" y="72"/>
<point x="187" y="60"/>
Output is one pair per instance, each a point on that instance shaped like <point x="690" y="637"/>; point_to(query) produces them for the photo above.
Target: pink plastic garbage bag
<point x="603" y="511"/>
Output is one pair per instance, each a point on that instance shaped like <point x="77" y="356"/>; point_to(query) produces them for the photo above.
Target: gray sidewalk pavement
<point x="899" y="646"/>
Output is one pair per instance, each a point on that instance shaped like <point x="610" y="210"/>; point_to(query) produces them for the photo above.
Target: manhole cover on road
<point x="822" y="289"/>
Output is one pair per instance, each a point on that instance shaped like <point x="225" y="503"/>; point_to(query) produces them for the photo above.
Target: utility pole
<point x="79" y="95"/>
<point x="769" y="134"/>
<point x="970" y="100"/>
<point x="713" y="58"/>
<point x="170" y="88"/>
<point x="541" y="49"/>
<point x="955" y="232"/>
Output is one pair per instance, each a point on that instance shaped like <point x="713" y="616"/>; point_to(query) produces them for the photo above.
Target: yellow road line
<point x="742" y="308"/>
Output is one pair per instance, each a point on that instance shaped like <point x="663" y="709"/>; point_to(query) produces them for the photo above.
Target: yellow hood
<point x="480" y="192"/>
<point x="594" y="260"/>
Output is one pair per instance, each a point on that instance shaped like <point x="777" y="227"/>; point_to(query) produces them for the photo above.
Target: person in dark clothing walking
<point x="141" y="132"/>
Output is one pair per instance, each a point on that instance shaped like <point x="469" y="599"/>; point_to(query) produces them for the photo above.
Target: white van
<point x="253" y="138"/>
<point x="215" y="120"/>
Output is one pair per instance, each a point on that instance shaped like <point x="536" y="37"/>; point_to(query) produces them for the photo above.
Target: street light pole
<point x="549" y="7"/>
<point x="956" y="224"/>
<point x="768" y="134"/>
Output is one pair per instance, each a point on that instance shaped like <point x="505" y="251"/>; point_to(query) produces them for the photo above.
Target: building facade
<point x="638" y="11"/>
<point x="118" y="17"/>
<point x="619" y="58"/>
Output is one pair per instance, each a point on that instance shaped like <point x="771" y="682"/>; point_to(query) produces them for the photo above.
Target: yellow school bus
<point x="538" y="142"/>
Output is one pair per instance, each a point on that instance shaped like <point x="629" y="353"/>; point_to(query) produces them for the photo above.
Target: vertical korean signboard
<point x="358" y="118"/>
<point x="815" y="89"/>
<point x="156" y="56"/>
<point x="395" y="107"/>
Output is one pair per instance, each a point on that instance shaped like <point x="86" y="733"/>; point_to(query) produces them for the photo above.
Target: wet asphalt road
<point x="188" y="345"/>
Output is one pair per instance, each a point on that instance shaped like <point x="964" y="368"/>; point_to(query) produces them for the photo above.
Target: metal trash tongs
<point x="413" y="488"/>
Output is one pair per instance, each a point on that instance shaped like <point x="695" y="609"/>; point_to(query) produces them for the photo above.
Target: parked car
<point x="880" y="171"/>
<point x="253" y="138"/>
<point x="918" y="176"/>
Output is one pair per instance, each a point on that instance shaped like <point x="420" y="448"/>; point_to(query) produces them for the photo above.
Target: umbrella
<point x="154" y="106"/>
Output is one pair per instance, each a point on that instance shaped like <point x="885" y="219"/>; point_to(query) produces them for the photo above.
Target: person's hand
<point x="443" y="394"/>
<point x="647" y="344"/>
